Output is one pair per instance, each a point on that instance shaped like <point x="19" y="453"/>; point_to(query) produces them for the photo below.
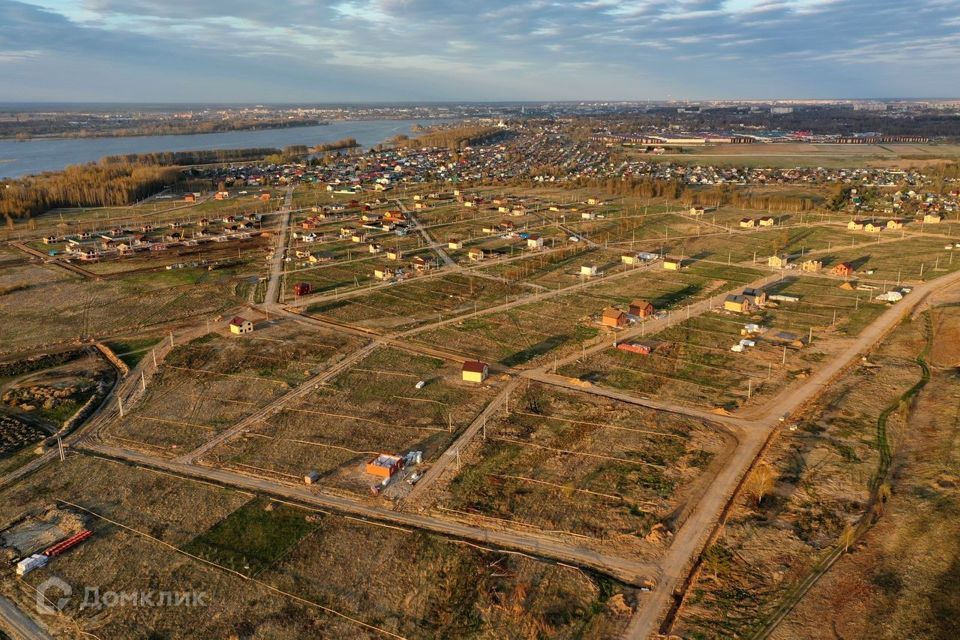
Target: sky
<point x="272" y="51"/>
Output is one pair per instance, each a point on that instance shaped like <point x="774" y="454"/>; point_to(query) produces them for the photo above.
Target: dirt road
<point x="279" y="253"/>
<point x="18" y="624"/>
<point x="688" y="541"/>
<point x="627" y="570"/>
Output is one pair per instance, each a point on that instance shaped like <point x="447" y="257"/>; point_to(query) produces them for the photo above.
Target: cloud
<point x="338" y="50"/>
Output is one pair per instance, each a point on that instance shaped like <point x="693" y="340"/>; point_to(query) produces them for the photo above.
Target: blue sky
<point x="418" y="50"/>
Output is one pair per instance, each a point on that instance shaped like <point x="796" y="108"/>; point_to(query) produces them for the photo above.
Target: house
<point x="358" y="237"/>
<point x="613" y="317"/>
<point x="594" y="202"/>
<point x="873" y="226"/>
<point x="394" y="254"/>
<point x="893" y="223"/>
<point x="383" y="273"/>
<point x="240" y="325"/>
<point x="736" y="303"/>
<point x="811" y="266"/>
<point x="454" y="245"/>
<point x="778" y="262"/>
<point x="588" y="270"/>
<point x="641" y="308"/>
<point x="757" y="297"/>
<point x="588" y="215"/>
<point x="476" y="255"/>
<point x="767" y="221"/>
<point x="384" y="465"/>
<point x="932" y="218"/>
<point x="421" y="264"/>
<point x="222" y="195"/>
<point x="672" y="264"/>
<point x="535" y="242"/>
<point x="629" y="258"/>
<point x="747" y="223"/>
<point x="855" y="225"/>
<point x="697" y="211"/>
<point x="190" y="197"/>
<point x="373" y="247"/>
<point x="474" y="371"/>
<point x="844" y="270"/>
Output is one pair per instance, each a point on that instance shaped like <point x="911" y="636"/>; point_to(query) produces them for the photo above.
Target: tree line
<point x="180" y="158"/>
<point x="88" y="185"/>
<point x="453" y="138"/>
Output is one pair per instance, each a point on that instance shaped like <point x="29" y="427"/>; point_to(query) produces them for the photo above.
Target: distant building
<point x="736" y="303"/>
<point x="844" y="269"/>
<point x="778" y="262"/>
<point x="384" y="465"/>
<point x="641" y="308"/>
<point x="811" y="266"/>
<point x="240" y="325"/>
<point x="474" y="371"/>
<point x="672" y="264"/>
<point x="613" y="318"/>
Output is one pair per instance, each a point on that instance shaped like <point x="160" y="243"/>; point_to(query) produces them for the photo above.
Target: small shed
<point x="641" y="308"/>
<point x="613" y="317"/>
<point x="475" y="371"/>
<point x="384" y="465"/>
<point x="240" y="325"/>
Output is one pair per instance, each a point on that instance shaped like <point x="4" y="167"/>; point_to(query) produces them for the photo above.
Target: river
<point x="19" y="158"/>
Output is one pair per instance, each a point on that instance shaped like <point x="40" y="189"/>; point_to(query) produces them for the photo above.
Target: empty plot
<point x="374" y="407"/>
<point x="569" y="462"/>
<point x="208" y="385"/>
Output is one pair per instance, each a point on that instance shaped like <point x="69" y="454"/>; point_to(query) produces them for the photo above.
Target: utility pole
<point x="143" y="381"/>
<point x="60" y="447"/>
<point x="120" y="405"/>
<point x="784" y="361"/>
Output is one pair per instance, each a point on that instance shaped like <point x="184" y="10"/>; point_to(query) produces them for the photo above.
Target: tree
<point x="761" y="481"/>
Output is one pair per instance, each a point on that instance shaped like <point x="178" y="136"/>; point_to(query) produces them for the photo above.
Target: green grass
<point x="252" y="538"/>
<point x="132" y="351"/>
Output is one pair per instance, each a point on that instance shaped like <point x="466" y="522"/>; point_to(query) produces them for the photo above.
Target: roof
<point x="474" y="366"/>
<point x="238" y="321"/>
<point x="385" y="460"/>
<point x="735" y="298"/>
<point x="641" y="303"/>
<point x="611" y="312"/>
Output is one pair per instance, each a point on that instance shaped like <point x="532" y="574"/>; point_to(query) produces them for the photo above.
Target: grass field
<point x="568" y="462"/>
<point x="211" y="383"/>
<point x="371" y="408"/>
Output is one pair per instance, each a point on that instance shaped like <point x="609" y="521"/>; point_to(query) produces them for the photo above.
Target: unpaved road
<point x="627" y="570"/>
<point x="19" y="625"/>
<point x="689" y="540"/>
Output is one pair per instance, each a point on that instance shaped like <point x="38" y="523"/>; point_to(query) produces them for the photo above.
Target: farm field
<point x="374" y="407"/>
<point x="569" y="463"/>
<point x="211" y="383"/>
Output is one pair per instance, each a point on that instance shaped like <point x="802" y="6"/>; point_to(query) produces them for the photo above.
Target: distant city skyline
<point x="294" y="51"/>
